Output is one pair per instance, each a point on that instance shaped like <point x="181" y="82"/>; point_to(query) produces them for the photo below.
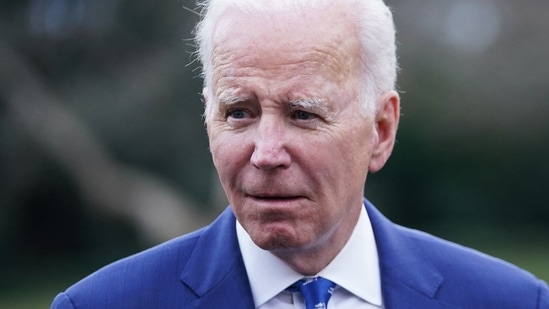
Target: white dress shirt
<point x="355" y="270"/>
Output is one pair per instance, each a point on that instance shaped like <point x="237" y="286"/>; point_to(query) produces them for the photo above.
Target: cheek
<point x="349" y="159"/>
<point x="359" y="145"/>
<point x="230" y="155"/>
<point x="220" y="153"/>
<point x="221" y="146"/>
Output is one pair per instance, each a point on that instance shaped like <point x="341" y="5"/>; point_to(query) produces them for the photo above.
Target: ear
<point x="386" y="124"/>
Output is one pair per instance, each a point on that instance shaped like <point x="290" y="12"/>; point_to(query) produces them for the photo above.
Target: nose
<point x="270" y="143"/>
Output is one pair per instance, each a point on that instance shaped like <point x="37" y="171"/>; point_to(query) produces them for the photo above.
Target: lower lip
<point x="275" y="201"/>
<point x="276" y="210"/>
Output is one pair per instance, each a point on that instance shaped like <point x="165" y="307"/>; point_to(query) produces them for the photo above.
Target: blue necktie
<point x="316" y="291"/>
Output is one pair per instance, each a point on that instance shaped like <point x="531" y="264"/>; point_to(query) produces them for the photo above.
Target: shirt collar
<point x="355" y="268"/>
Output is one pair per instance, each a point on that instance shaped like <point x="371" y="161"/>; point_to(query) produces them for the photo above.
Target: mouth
<point x="276" y="197"/>
<point x="268" y="198"/>
<point x="271" y="208"/>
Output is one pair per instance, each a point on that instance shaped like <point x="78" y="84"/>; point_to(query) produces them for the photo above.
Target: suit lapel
<point x="215" y="270"/>
<point x="408" y="279"/>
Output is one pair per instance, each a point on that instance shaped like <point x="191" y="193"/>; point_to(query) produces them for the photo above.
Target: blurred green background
<point x="103" y="152"/>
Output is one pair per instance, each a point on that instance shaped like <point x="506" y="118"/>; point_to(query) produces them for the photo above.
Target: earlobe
<point x="386" y="124"/>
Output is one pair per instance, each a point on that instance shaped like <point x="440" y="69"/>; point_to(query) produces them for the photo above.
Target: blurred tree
<point x="94" y="122"/>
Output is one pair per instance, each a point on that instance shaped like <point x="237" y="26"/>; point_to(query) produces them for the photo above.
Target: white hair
<point x="376" y="35"/>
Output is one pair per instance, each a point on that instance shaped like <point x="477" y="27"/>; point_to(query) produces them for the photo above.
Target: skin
<point x="288" y="137"/>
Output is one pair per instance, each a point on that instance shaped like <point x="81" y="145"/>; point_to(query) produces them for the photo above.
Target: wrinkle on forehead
<point x="308" y="64"/>
<point x="285" y="44"/>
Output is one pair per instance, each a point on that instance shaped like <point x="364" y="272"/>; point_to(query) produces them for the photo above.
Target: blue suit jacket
<point x="204" y="269"/>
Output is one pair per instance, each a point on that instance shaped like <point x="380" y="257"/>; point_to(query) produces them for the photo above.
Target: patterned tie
<point x="316" y="291"/>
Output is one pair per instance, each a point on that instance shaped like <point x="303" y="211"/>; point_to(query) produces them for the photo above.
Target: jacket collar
<point x="408" y="278"/>
<point x="215" y="270"/>
<point x="217" y="275"/>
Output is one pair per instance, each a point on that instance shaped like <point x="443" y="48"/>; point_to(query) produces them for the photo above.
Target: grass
<point x="34" y="295"/>
<point x="533" y="258"/>
<point x="37" y="286"/>
<point x="31" y="299"/>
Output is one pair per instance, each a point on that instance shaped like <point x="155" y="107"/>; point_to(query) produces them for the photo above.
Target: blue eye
<point x="301" y="115"/>
<point x="237" y="114"/>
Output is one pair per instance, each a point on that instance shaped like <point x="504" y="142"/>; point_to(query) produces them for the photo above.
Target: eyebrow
<point x="310" y="104"/>
<point x="230" y="99"/>
<point x="313" y="104"/>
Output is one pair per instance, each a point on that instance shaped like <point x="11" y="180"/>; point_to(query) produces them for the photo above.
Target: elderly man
<point x="300" y="106"/>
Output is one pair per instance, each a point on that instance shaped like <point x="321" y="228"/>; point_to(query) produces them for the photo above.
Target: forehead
<point x="307" y="41"/>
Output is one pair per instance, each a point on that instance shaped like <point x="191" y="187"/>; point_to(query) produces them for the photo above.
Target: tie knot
<point x="316" y="291"/>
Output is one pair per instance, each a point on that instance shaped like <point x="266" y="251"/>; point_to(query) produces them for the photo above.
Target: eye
<point x="302" y="115"/>
<point x="237" y="114"/>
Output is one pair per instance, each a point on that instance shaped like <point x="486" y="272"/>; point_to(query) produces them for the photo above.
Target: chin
<point x="280" y="243"/>
<point x="275" y="241"/>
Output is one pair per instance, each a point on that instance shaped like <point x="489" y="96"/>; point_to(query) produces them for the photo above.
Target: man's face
<point x="288" y="136"/>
